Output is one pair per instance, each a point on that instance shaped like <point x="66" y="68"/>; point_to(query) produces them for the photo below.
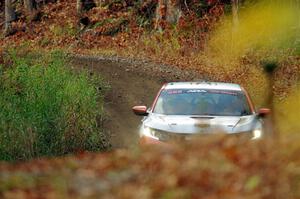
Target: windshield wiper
<point x="244" y="112"/>
<point x="236" y="123"/>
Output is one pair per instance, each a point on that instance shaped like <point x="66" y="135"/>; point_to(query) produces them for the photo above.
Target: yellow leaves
<point x="287" y="113"/>
<point x="252" y="183"/>
<point x="263" y="26"/>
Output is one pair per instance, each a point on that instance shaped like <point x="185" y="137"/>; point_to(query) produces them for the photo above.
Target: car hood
<point x="201" y="124"/>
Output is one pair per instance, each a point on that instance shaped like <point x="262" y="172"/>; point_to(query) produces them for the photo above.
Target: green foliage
<point x="48" y="110"/>
<point x="104" y="22"/>
<point x="68" y="30"/>
<point x="143" y="21"/>
<point x="116" y="28"/>
<point x="145" y="13"/>
<point x="44" y="42"/>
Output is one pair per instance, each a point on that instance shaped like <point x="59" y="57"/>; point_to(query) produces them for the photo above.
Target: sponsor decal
<point x="178" y="91"/>
<point x="196" y="91"/>
<point x="172" y="92"/>
<point x="223" y="92"/>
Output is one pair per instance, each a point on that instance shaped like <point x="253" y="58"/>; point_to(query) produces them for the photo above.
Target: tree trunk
<point x="29" y="6"/>
<point x="98" y="3"/>
<point x="167" y="12"/>
<point x="9" y="17"/>
<point x="79" y="7"/>
<point x="235" y="9"/>
<point x="173" y="11"/>
<point x="30" y="9"/>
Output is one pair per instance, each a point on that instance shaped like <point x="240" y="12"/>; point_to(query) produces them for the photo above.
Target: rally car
<point x="182" y="110"/>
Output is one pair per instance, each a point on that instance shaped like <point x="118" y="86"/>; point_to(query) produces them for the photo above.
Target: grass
<point x="48" y="110"/>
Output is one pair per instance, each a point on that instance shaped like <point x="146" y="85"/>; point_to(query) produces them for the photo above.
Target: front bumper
<point x="144" y="140"/>
<point x="167" y="137"/>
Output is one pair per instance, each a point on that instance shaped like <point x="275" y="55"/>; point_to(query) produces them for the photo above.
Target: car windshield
<point x="202" y="102"/>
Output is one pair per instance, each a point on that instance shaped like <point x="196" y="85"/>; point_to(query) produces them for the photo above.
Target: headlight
<point x="147" y="131"/>
<point x="257" y="134"/>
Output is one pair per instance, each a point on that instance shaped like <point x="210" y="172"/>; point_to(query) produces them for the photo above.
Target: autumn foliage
<point x="127" y="28"/>
<point x="206" y="168"/>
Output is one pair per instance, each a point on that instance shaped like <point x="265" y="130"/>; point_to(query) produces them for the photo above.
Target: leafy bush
<point x="46" y="109"/>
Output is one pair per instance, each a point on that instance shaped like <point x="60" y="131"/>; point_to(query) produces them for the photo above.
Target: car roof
<point x="203" y="85"/>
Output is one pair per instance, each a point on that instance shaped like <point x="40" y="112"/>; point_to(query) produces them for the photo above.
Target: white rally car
<point x="182" y="110"/>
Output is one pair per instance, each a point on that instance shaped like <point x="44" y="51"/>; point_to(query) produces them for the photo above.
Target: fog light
<point x="257" y="133"/>
<point x="147" y="131"/>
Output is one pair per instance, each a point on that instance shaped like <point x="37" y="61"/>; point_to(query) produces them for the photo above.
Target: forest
<point x="70" y="72"/>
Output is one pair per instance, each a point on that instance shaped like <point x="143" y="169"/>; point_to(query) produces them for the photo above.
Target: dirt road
<point x="132" y="83"/>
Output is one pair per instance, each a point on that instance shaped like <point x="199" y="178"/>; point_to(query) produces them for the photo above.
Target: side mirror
<point x="263" y="112"/>
<point x="140" y="110"/>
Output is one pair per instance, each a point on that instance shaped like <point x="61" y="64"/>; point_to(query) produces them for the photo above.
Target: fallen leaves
<point x="202" y="169"/>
